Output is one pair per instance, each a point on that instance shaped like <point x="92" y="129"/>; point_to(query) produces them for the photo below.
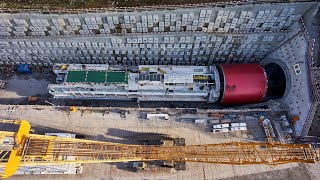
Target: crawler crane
<point x="23" y="149"/>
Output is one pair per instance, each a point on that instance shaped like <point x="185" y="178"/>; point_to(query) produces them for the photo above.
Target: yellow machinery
<point x="73" y="109"/>
<point x="23" y="149"/>
<point x="200" y="77"/>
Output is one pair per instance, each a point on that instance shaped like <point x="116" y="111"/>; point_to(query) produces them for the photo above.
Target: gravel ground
<point x="83" y="4"/>
<point x="303" y="171"/>
<point x="19" y="88"/>
<point x="111" y="127"/>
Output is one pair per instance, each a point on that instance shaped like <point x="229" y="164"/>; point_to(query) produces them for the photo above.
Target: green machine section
<point x="76" y="76"/>
<point x="117" y="77"/>
<point x="96" y="77"/>
<point x="114" y="77"/>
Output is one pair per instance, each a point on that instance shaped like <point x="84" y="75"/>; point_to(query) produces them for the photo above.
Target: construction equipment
<point x="295" y="118"/>
<point x="2" y="84"/>
<point x="32" y="99"/>
<point x="268" y="129"/>
<point x="216" y="115"/>
<point x="73" y="109"/>
<point x="198" y="77"/>
<point x="23" y="149"/>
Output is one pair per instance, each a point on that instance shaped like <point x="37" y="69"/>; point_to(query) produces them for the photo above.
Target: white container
<point x="220" y="130"/>
<point x="219" y="126"/>
<point x="200" y="121"/>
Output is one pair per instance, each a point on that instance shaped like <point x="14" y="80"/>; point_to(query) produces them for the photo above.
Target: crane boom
<point x="24" y="149"/>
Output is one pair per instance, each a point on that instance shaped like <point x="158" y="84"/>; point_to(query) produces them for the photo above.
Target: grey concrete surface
<point x="298" y="94"/>
<point x="302" y="171"/>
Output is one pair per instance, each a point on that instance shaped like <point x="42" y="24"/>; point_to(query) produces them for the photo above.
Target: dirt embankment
<point x="83" y="4"/>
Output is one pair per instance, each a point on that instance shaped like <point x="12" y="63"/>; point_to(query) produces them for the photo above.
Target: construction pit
<point x="135" y="75"/>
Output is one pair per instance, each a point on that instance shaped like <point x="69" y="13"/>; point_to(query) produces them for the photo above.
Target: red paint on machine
<point x="244" y="83"/>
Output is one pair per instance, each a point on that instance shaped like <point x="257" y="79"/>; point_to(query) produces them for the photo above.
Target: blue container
<point x="24" y="69"/>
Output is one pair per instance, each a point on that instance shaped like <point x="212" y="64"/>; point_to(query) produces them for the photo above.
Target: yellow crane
<point x="23" y="149"/>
